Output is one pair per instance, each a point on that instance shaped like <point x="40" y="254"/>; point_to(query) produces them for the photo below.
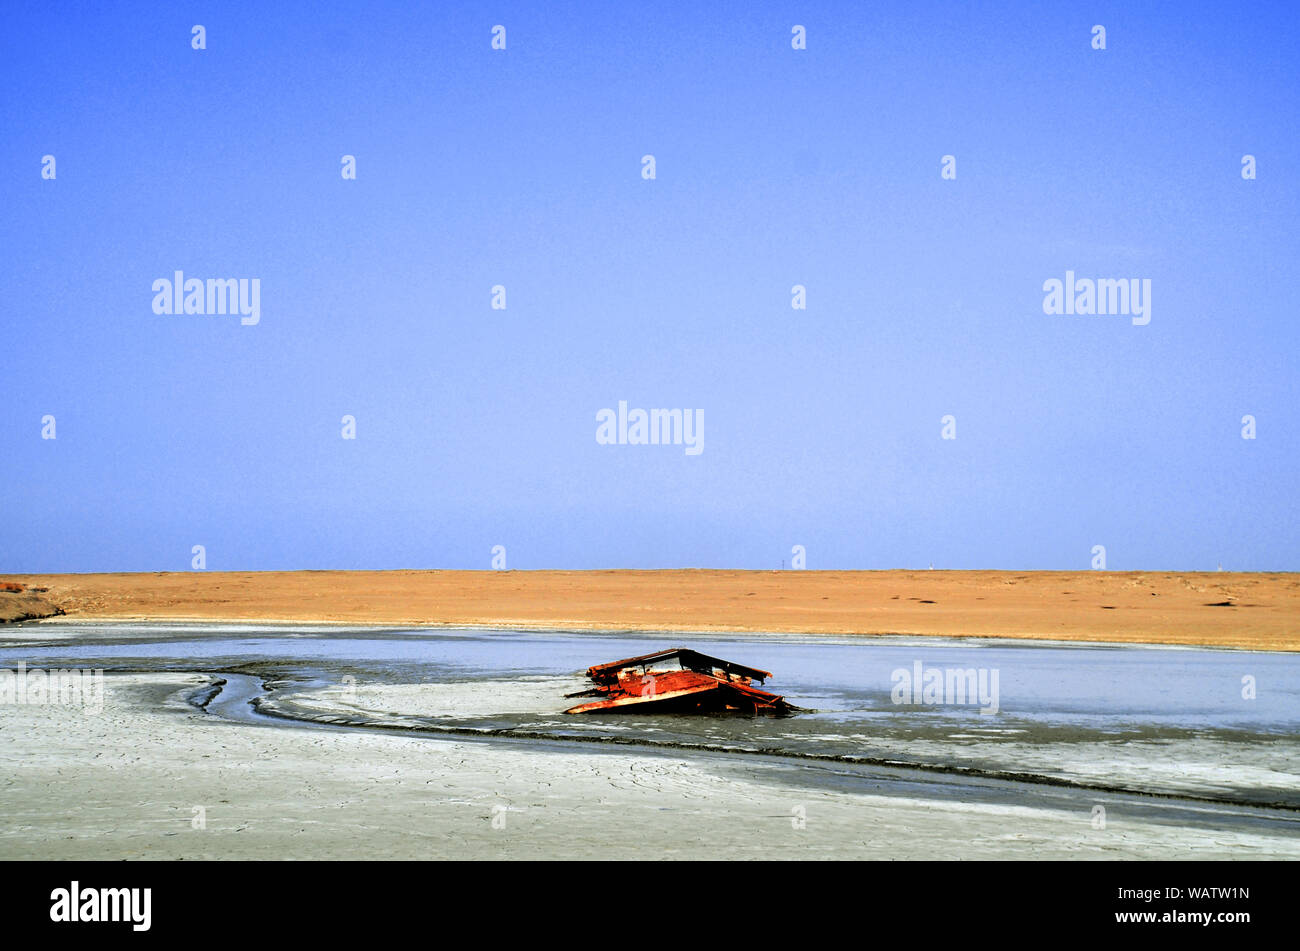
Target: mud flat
<point x="154" y="776"/>
<point x="1255" y="611"/>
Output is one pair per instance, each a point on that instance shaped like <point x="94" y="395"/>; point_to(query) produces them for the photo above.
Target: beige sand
<point x="1259" y="611"/>
<point x="126" y="783"/>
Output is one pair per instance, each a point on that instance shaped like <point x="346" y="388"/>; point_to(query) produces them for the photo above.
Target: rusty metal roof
<point x="689" y="659"/>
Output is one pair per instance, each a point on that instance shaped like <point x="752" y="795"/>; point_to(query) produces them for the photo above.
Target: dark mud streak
<point x="269" y="707"/>
<point x="202" y="696"/>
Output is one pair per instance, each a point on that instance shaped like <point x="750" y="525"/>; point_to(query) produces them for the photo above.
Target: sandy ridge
<point x="1259" y="611"/>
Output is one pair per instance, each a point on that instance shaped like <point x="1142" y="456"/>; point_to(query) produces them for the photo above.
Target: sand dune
<point x="20" y="604"/>
<point x="1258" y="611"/>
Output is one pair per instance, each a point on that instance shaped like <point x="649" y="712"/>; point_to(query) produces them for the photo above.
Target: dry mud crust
<point x="150" y="776"/>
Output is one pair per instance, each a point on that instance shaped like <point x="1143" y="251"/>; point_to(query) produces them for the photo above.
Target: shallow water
<point x="1164" y="720"/>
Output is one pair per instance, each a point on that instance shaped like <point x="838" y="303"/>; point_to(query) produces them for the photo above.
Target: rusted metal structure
<point x="678" y="680"/>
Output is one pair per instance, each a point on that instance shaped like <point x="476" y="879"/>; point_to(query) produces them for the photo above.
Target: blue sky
<point x="774" y="167"/>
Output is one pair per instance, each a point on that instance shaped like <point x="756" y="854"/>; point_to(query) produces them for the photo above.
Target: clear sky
<point x="774" y="167"/>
